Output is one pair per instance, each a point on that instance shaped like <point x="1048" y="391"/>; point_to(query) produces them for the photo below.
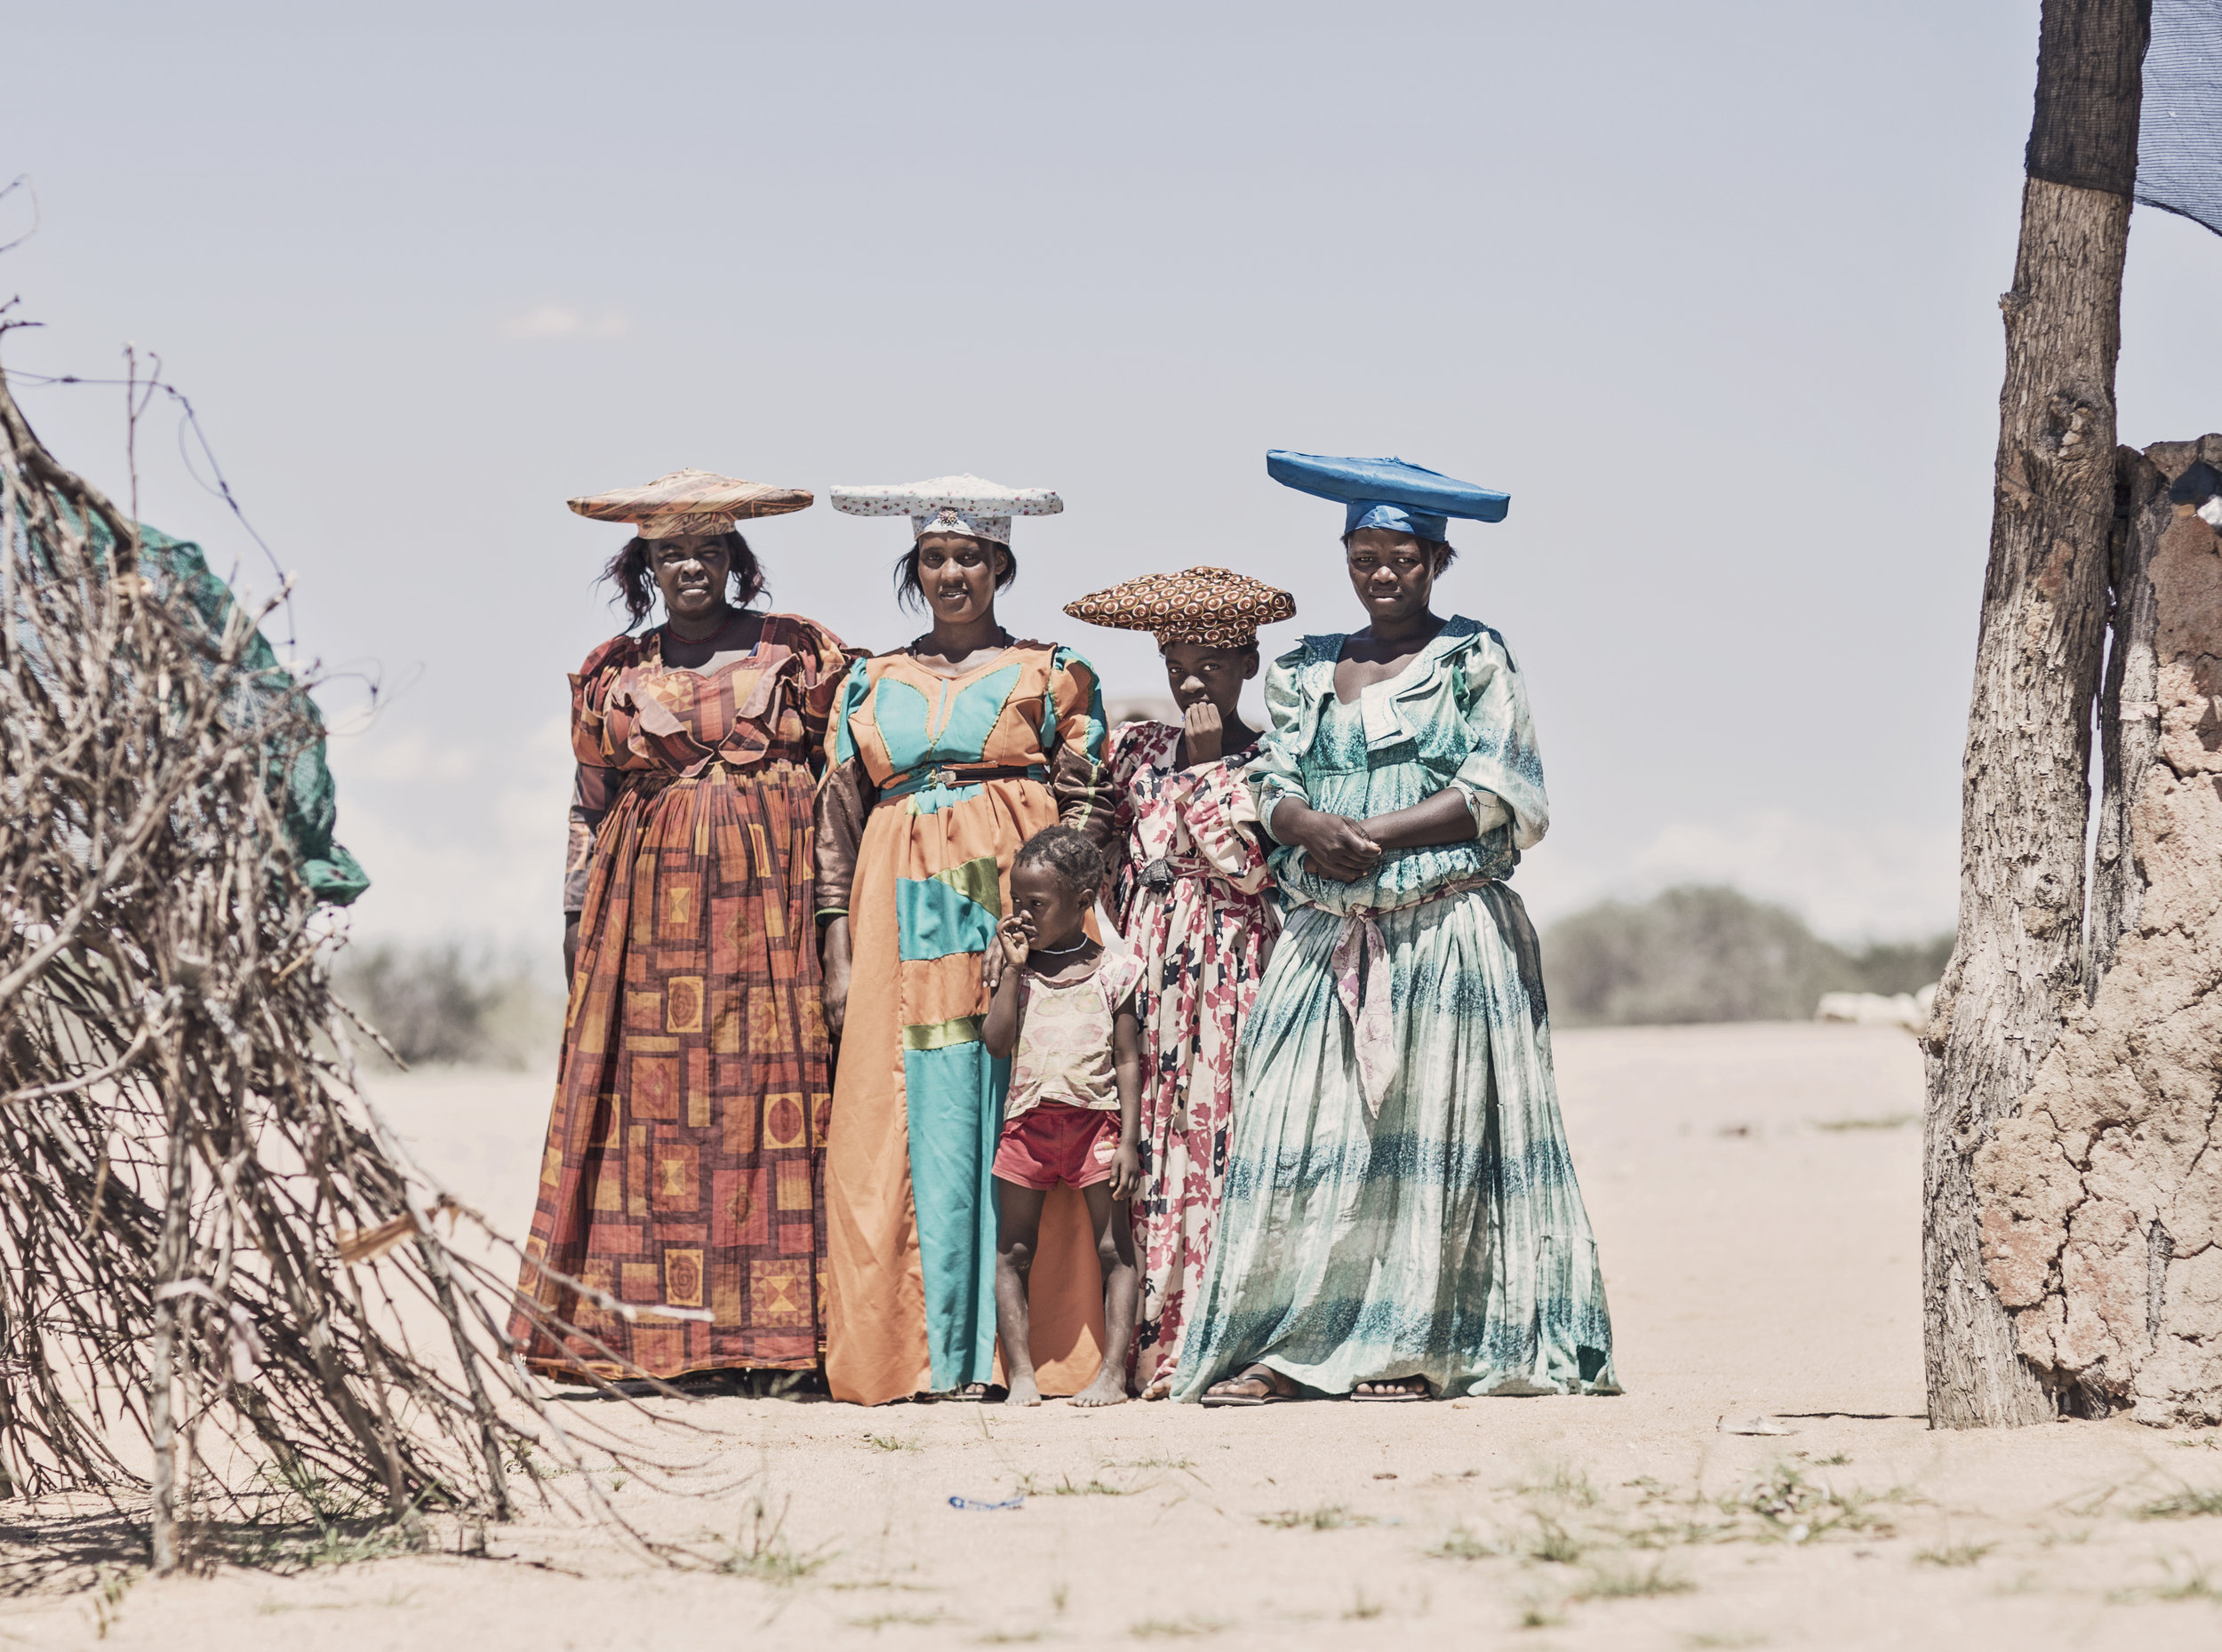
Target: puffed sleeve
<point x="845" y="796"/>
<point x="1502" y="776"/>
<point x="1217" y="810"/>
<point x="1277" y="771"/>
<point x="821" y="676"/>
<point x="1119" y="766"/>
<point x="1077" y="777"/>
<point x="595" y="784"/>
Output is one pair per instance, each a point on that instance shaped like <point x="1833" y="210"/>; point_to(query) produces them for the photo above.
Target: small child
<point x="1066" y="1008"/>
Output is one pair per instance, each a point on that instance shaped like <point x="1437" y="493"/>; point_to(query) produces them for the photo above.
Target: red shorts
<point x="1053" y="1144"/>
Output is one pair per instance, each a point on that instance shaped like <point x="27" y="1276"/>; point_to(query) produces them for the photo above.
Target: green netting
<point x="177" y="569"/>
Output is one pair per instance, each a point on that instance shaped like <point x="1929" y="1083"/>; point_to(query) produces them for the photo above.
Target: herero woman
<point x="681" y="1169"/>
<point x="945" y="757"/>
<point x="1400" y="1218"/>
<point x="1191" y="900"/>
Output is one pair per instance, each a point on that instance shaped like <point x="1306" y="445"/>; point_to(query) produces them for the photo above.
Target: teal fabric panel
<point x="899" y="712"/>
<point x="964" y="736"/>
<point x="955" y="1097"/>
<point x="933" y="920"/>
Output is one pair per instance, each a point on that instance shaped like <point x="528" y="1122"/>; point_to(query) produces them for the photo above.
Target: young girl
<point x="1065" y="1007"/>
<point x="1192" y="898"/>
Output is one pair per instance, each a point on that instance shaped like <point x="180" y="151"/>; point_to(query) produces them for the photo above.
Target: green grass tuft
<point x="1630" y="1584"/>
<point x="1176" y="1628"/>
<point x="1327" y="1517"/>
<point x="1459" y="1544"/>
<point x="2189" y="1504"/>
<point x="1953" y="1554"/>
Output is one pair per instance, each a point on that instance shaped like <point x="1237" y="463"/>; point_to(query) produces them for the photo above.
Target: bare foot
<point x="1394" y="1388"/>
<point x="1023" y="1391"/>
<point x="1159" y="1389"/>
<point x="1109" y="1388"/>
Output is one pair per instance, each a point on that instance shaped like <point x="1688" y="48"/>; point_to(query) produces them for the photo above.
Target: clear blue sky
<point x="1709" y="289"/>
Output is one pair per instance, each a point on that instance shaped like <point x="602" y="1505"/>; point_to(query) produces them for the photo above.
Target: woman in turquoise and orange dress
<point x="681" y="1171"/>
<point x="943" y="758"/>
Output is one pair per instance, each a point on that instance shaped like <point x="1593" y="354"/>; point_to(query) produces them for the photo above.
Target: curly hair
<point x="636" y="581"/>
<point x="1073" y="855"/>
<point x="912" y="595"/>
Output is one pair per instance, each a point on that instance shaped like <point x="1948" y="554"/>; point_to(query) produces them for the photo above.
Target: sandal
<point x="1263" y="1377"/>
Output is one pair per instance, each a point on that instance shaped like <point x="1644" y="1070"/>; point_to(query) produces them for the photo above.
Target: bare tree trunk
<point x="2099" y="1203"/>
<point x="2018" y="964"/>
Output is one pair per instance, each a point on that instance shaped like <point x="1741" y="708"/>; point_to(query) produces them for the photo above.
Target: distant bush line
<point x="446" y="1004"/>
<point x="1698" y="953"/>
<point x="1707" y="952"/>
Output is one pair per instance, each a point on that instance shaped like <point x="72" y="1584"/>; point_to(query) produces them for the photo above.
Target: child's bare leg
<point x="1018" y="1228"/>
<point x="1113" y="1221"/>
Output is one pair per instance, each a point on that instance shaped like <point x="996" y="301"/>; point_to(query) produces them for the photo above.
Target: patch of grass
<point x="893" y="1443"/>
<point x="112" y="1584"/>
<point x="1629" y="1583"/>
<point x="1142" y="1462"/>
<point x="1034" y="1486"/>
<point x="1459" y="1544"/>
<point x="888" y="1620"/>
<point x="1552" y="1542"/>
<point x="1880" y="1121"/>
<point x="2054" y="1539"/>
<point x="763" y="1553"/>
<point x="1953" y="1554"/>
<point x="1567" y="1485"/>
<point x="1786" y="1506"/>
<point x="2189" y="1504"/>
<point x="1327" y="1517"/>
<point x="1724" y="1639"/>
<point x="1834" y="1459"/>
<point x="1360" y="1608"/>
<point x="1176" y="1628"/>
<point x="2191" y="1582"/>
<point x="1538" y="1612"/>
<point x="1010" y="1636"/>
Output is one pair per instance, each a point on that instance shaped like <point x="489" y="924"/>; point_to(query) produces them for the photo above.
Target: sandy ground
<point x="1756" y="1191"/>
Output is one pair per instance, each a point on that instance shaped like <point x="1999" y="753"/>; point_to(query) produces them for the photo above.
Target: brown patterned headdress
<point x="1209" y="605"/>
<point x="690" y="501"/>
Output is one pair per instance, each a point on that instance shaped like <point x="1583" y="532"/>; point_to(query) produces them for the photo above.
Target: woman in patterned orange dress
<point x="682" y="1177"/>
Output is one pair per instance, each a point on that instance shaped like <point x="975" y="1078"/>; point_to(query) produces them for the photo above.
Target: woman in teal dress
<point x="1400" y="1219"/>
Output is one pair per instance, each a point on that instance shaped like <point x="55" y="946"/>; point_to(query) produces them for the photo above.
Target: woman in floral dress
<point x="1192" y="897"/>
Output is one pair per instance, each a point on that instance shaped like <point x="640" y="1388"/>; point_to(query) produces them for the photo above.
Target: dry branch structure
<point x="220" y="1279"/>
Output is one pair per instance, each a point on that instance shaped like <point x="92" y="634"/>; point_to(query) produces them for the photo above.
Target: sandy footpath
<point x="1755" y="1191"/>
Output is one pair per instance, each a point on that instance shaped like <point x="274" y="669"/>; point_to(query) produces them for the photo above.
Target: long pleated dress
<point x="1399" y="1199"/>
<point x="932" y="784"/>
<point x="1192" y="900"/>
<point x="684" y="1149"/>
